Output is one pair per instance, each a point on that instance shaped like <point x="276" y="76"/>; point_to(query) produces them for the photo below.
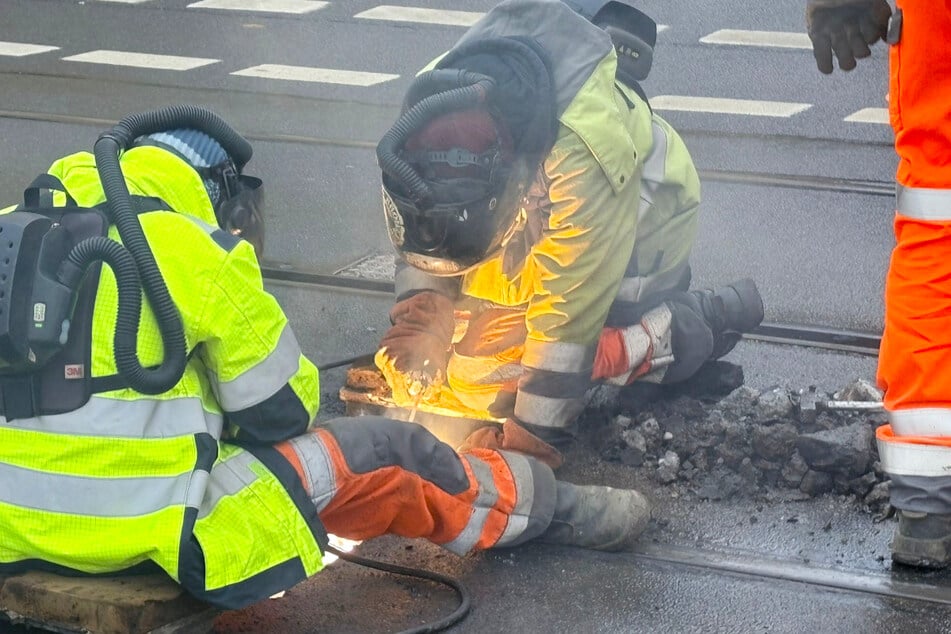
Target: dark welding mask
<point x="632" y="32"/>
<point x="241" y="210"/>
<point x="450" y="188"/>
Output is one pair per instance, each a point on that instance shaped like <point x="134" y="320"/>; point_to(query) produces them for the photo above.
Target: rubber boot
<point x="922" y="540"/>
<point x="597" y="517"/>
<point x="730" y="311"/>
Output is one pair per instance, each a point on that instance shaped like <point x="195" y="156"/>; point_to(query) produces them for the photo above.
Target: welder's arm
<point x="267" y="389"/>
<point x="577" y="267"/>
<point x="414" y="352"/>
<point x="845" y="28"/>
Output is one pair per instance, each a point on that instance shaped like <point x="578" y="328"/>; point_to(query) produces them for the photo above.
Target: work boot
<point x="922" y="540"/>
<point x="597" y="517"/>
<point x="730" y="311"/>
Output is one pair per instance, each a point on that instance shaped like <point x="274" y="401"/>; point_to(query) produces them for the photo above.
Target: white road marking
<point x="870" y="115"/>
<point x="446" y="17"/>
<point x="728" y="106"/>
<point x="268" y="6"/>
<point x="778" y="39"/>
<point x="141" y="60"/>
<point x="425" y="16"/>
<point x="319" y="75"/>
<point x="126" y="1"/>
<point x="18" y="49"/>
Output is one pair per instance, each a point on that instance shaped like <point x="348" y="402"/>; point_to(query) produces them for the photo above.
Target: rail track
<point x="901" y="585"/>
<point x="789" y="334"/>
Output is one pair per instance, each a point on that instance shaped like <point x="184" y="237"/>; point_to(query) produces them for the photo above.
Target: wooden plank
<point x="107" y="605"/>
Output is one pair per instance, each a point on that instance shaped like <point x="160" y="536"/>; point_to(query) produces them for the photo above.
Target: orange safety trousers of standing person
<point x="915" y="356"/>
<point x="372" y="476"/>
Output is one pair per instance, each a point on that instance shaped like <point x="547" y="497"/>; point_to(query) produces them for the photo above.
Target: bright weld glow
<point x="342" y="544"/>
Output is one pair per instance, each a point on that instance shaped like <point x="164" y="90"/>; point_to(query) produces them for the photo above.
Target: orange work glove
<point x="414" y="352"/>
<point x="513" y="437"/>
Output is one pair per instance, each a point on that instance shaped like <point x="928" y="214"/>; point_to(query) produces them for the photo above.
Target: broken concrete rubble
<point x="719" y="440"/>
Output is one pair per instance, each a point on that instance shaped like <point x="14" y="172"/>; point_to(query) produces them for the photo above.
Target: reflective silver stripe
<point x="227" y="478"/>
<point x="474" y="368"/>
<point x="902" y="458"/>
<point x="315" y="460"/>
<point x="94" y="497"/>
<point x="921" y="421"/>
<point x="256" y="384"/>
<point x="923" y="203"/>
<point x="655" y="165"/>
<point x="545" y="411"/>
<point x="117" y="418"/>
<point x="558" y="356"/>
<point x="196" y="489"/>
<point x="632" y="289"/>
<point x="657" y="322"/>
<point x="488" y="496"/>
<point x="524" y="496"/>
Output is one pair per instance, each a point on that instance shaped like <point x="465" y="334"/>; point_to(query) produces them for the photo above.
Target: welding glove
<point x="513" y="437"/>
<point x="414" y="352"/>
<point x="845" y="28"/>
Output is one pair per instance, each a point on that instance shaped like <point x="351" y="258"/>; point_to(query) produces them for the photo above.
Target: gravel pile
<point x="720" y="439"/>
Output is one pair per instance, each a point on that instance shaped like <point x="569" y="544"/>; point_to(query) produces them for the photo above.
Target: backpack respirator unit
<point x="49" y="261"/>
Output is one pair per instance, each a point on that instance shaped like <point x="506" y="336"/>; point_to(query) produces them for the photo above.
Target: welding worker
<point x="222" y="480"/>
<point x="544" y="218"/>
<point x="915" y="355"/>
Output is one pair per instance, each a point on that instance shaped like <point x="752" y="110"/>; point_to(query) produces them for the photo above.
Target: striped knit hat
<point x="198" y="150"/>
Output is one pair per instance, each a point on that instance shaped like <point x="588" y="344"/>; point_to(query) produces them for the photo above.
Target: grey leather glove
<point x="845" y="28"/>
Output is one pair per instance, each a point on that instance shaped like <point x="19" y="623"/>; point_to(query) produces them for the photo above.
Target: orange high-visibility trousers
<point x="915" y="356"/>
<point x="372" y="476"/>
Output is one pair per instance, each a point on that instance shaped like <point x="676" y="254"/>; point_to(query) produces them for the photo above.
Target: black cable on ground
<point x="465" y="602"/>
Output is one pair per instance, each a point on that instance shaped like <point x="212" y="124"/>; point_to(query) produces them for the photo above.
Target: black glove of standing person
<point x="845" y="28"/>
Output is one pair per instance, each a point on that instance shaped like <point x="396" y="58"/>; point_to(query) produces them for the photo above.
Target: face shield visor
<point x="449" y="238"/>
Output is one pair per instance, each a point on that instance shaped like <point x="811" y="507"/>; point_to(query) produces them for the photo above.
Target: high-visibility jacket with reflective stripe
<point x="130" y="478"/>
<point x="581" y="213"/>
<point x="915" y="353"/>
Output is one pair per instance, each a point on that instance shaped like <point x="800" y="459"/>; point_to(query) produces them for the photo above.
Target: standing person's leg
<point x="915" y="357"/>
<point x="372" y="476"/>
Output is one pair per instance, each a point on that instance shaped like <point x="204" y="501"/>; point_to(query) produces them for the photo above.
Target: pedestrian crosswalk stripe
<point x="391" y="13"/>
<point x="728" y="106"/>
<point x="19" y="49"/>
<point x="869" y="115"/>
<point x="415" y="14"/>
<point x="318" y="75"/>
<point x="266" y="6"/>
<point x="778" y="39"/>
<point x="141" y="60"/>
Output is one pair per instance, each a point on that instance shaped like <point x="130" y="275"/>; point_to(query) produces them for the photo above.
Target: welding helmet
<point x="238" y="199"/>
<point x="458" y="161"/>
<point x="632" y="32"/>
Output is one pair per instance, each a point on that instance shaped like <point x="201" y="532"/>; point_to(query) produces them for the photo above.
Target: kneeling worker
<point x="544" y="218"/>
<point x="180" y="435"/>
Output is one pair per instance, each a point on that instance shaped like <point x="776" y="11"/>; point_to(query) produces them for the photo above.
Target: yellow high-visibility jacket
<point x="187" y="479"/>
<point x="615" y="199"/>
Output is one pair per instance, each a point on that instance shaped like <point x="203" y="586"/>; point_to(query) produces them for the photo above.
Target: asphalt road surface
<point x="797" y="175"/>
